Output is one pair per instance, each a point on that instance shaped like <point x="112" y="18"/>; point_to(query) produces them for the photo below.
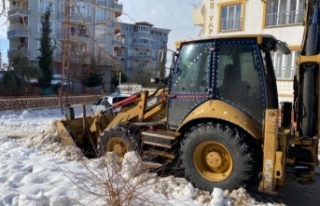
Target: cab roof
<point x="259" y="38"/>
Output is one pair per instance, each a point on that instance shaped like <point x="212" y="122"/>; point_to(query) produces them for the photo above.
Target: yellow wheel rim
<point x="118" y="146"/>
<point x="213" y="161"/>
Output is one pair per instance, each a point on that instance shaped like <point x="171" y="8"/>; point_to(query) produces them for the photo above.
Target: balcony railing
<point x="74" y="17"/>
<point x="14" y="52"/>
<point x="17" y="30"/>
<point x="102" y="2"/>
<point x="284" y="18"/>
<point x="230" y="24"/>
<point x="75" y="34"/>
<point x="285" y="73"/>
<point x="18" y="11"/>
<point x="118" y="8"/>
<point x="74" y="58"/>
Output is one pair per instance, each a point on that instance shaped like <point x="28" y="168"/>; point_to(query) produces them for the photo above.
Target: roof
<point x="144" y="23"/>
<point x="259" y="38"/>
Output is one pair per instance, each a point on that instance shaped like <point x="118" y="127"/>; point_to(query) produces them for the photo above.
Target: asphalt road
<point x="295" y="194"/>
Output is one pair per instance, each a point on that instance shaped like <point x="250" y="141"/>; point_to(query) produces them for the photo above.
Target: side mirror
<point x="161" y="58"/>
<point x="173" y="58"/>
<point x="283" y="48"/>
<point x="155" y="80"/>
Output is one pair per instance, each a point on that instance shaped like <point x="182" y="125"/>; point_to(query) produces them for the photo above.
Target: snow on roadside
<point x="35" y="169"/>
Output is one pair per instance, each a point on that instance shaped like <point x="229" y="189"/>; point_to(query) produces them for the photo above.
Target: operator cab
<point x="237" y="71"/>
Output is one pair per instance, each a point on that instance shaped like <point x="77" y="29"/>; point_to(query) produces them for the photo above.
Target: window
<point x="85" y="9"/>
<point x="284" y="65"/>
<point x="239" y="70"/>
<point x="284" y="12"/>
<point x="144" y="29"/>
<point x="191" y="71"/>
<point x="100" y="31"/>
<point x="230" y="18"/>
<point x="73" y="9"/>
<point x="44" y="5"/>
<point x="130" y="52"/>
<point x="101" y="14"/>
<point x="129" y="39"/>
<point x="129" y="63"/>
<point x="128" y="28"/>
<point x="154" y="44"/>
<point x="51" y="26"/>
<point x="142" y="65"/>
<point x="141" y="41"/>
<point x="154" y="54"/>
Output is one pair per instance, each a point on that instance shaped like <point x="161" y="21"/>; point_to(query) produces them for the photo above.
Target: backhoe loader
<point x="216" y="116"/>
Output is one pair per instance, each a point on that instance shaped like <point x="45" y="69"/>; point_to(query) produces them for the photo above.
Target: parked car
<point x="107" y="101"/>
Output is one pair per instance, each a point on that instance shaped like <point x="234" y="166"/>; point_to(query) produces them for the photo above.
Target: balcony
<point x="197" y="17"/>
<point x="102" y="2"/>
<point x="18" y="12"/>
<point x="14" y="52"/>
<point x="100" y="39"/>
<point x="74" y="58"/>
<point x="120" y="61"/>
<point x="75" y="35"/>
<point x="117" y="8"/>
<point x="141" y="57"/>
<point x="118" y="43"/>
<point x="142" y="46"/>
<point x="74" y="17"/>
<point x="284" y="18"/>
<point x="17" y="30"/>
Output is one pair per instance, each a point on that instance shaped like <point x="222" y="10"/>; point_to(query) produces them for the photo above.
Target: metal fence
<point x="230" y="24"/>
<point x="284" y="18"/>
<point x="284" y="72"/>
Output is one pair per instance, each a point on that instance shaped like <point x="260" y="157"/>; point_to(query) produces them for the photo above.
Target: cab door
<point x="191" y="81"/>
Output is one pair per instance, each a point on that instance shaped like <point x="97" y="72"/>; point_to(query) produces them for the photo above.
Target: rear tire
<point x="309" y="100"/>
<point x="215" y="156"/>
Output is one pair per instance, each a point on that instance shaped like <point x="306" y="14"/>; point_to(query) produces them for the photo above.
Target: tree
<point x="143" y="77"/>
<point x="92" y="76"/>
<point x="18" y="73"/>
<point x="46" y="52"/>
<point x="115" y="77"/>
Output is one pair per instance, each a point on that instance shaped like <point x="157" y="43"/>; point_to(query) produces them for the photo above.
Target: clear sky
<point x="175" y="15"/>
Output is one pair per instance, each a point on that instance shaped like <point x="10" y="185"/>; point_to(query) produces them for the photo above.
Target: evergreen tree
<point x="46" y="52"/>
<point x="18" y="73"/>
<point x="92" y="77"/>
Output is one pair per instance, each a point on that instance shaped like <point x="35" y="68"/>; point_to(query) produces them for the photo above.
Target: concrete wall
<point x="44" y="102"/>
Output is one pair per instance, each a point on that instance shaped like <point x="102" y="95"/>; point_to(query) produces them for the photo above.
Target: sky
<point x="35" y="169"/>
<point x="175" y="15"/>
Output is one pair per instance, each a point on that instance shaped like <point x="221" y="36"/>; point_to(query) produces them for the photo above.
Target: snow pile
<point x="37" y="129"/>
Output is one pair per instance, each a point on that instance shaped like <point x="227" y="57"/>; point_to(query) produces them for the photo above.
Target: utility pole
<point x="66" y="49"/>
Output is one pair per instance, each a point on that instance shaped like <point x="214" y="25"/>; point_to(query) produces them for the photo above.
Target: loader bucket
<point x="83" y="132"/>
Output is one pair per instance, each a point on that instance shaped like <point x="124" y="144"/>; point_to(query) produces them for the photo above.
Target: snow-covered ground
<point x="35" y="169"/>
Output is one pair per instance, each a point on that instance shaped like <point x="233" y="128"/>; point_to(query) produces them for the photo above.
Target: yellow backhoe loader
<point x="216" y="116"/>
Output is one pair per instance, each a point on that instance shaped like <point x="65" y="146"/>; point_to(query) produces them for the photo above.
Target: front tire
<point x="215" y="156"/>
<point x="119" y="140"/>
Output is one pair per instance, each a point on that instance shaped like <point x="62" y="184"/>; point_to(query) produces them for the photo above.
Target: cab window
<point x="191" y="71"/>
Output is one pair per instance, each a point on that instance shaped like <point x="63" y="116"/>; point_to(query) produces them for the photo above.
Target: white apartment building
<point x="92" y="28"/>
<point x="280" y="18"/>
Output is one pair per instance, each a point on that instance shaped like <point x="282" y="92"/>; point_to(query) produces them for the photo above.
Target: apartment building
<point x="280" y="18"/>
<point x="92" y="29"/>
<point x="136" y="46"/>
